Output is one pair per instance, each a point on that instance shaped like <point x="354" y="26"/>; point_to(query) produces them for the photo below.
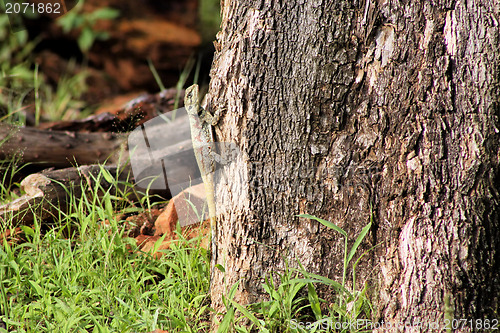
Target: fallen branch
<point x="49" y="192"/>
<point x="59" y="149"/>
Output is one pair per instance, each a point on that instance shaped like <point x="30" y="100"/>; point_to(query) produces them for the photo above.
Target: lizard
<point x="201" y="122"/>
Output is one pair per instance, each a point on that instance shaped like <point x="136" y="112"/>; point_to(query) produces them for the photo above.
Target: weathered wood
<point x="133" y="113"/>
<point x="59" y="148"/>
<point x="48" y="192"/>
<point x="65" y="148"/>
<point x="175" y="159"/>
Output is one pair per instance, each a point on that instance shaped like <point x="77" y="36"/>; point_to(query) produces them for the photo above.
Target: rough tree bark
<point x="342" y="105"/>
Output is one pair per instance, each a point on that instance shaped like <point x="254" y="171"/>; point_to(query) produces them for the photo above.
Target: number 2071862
<point x="27" y="7"/>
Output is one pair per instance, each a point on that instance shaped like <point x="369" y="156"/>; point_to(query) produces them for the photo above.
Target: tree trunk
<point x="342" y="106"/>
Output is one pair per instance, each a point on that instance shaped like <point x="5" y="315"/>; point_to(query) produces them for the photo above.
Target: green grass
<point x="24" y="89"/>
<point x="63" y="101"/>
<point x="51" y="283"/>
<point x="82" y="274"/>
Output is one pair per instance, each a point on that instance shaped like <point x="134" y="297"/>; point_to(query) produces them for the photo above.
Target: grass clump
<point x="51" y="283"/>
<point x="83" y="275"/>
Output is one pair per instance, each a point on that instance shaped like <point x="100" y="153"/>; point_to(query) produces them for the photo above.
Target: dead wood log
<point x="132" y="114"/>
<point x="65" y="144"/>
<point x="49" y="192"/>
<point x="59" y="149"/>
<point x="167" y="158"/>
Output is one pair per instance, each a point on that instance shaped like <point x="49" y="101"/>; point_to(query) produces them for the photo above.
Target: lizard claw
<point x="217" y="114"/>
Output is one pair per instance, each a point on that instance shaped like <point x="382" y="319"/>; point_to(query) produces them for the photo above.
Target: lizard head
<point x="191" y="96"/>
